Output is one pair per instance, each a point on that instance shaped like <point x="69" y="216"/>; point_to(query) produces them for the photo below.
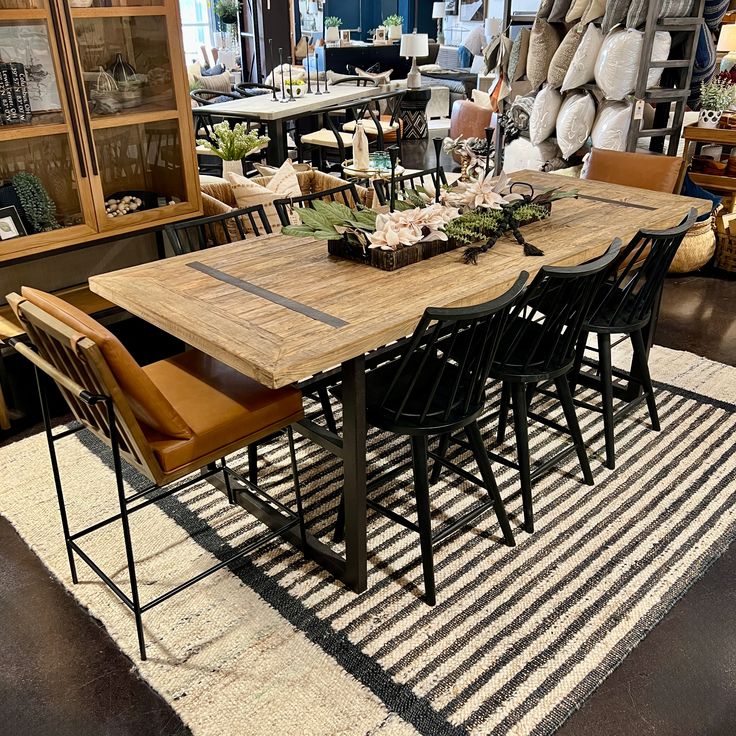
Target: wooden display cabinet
<point x="98" y="129"/>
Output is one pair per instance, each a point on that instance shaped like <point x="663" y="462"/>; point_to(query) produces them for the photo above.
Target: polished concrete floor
<point x="61" y="674"/>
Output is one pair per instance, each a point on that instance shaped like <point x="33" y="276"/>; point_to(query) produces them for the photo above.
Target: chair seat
<point x="326" y="138"/>
<point x="370" y="127"/>
<point x="616" y="312"/>
<point x="222" y="407"/>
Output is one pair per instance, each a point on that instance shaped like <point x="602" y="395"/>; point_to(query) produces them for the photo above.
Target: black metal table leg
<point x="354" y="464"/>
<point x="276" y="151"/>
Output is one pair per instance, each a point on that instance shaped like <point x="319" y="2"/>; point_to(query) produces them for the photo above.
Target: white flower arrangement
<point x="395" y="230"/>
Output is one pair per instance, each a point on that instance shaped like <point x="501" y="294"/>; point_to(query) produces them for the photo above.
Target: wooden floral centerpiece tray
<point x="473" y="216"/>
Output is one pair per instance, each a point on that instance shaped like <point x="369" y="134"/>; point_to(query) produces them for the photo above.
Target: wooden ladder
<point x="678" y="74"/>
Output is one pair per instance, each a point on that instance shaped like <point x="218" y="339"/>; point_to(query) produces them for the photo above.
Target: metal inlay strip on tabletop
<point x="283" y="301"/>
<point x="617" y="201"/>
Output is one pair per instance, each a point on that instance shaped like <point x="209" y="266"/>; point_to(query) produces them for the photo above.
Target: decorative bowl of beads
<point x="126" y="203"/>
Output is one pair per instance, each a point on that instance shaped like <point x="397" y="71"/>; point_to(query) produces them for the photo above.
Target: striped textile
<point x="519" y="637"/>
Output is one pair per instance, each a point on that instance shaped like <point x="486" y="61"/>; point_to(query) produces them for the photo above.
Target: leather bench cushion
<point x="148" y="404"/>
<point x="221" y="406"/>
<point x="643" y="170"/>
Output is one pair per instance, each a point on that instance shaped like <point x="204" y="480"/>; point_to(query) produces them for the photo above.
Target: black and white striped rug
<point x="519" y="636"/>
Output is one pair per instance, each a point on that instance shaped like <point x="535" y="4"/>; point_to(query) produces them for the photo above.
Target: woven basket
<point x="726" y="252"/>
<point x="697" y="248"/>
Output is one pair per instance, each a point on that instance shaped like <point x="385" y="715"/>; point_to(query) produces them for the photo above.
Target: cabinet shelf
<point x="31" y="130"/>
<point x="7" y="15"/>
<point x="119" y="12"/>
<point x="149" y="113"/>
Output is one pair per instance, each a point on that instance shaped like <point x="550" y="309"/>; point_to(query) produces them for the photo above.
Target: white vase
<point x="394" y="33"/>
<point x="709" y="118"/>
<point x="332" y="34"/>
<point x="234" y="167"/>
<point x="361" y="156"/>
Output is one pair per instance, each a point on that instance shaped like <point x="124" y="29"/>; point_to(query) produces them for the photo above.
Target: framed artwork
<point x="451" y="7"/>
<point x="380" y="34"/>
<point x="29" y="45"/>
<point x="10" y="223"/>
<point x="344" y="36"/>
<point x="472" y="10"/>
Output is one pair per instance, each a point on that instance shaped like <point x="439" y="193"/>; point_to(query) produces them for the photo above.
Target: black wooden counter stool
<point x="624" y="305"/>
<point x="538" y="345"/>
<point x="425" y="392"/>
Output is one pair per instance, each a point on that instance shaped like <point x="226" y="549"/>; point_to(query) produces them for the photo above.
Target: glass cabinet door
<point x="45" y="194"/>
<point x="133" y="85"/>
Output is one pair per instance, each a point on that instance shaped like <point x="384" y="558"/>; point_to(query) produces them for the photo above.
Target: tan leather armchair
<point x="657" y="173"/>
<point x="168" y="419"/>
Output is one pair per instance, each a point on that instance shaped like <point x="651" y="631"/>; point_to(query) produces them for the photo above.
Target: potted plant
<point x="332" y="28"/>
<point x="715" y="97"/>
<point x="38" y="208"/>
<point x="394" y="24"/>
<point x="296" y="87"/>
<point x="232" y="145"/>
<point x="228" y="11"/>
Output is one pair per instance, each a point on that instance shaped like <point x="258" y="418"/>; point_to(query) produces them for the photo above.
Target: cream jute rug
<point x="519" y="638"/>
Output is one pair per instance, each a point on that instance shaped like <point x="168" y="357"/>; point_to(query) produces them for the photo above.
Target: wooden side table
<point x="695" y="137"/>
<point x="413" y="113"/>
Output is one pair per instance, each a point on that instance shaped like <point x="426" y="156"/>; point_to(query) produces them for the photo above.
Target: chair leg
<point x="606" y="376"/>
<point x="421" y="491"/>
<point x="503" y="412"/>
<point x="324" y="400"/>
<point x="486" y="470"/>
<point x="640" y="355"/>
<point x="55" y="470"/>
<point x="563" y="389"/>
<point x="126" y="526"/>
<point x="228" y="482"/>
<point x="572" y="377"/>
<point x="521" y="429"/>
<point x="297" y="490"/>
<point x="530" y="390"/>
<point x="441" y="452"/>
<point x="253" y="463"/>
<point x="339" y="534"/>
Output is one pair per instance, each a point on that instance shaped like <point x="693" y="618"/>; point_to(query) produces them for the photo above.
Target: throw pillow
<point x="676" y="8"/>
<point x="213" y="71"/>
<point x="596" y="9"/>
<point x="577" y="8"/>
<point x="617" y="65"/>
<point x="544" y="113"/>
<point x="380" y="77"/>
<point x="284" y="183"/>
<point x="217" y="83"/>
<point x="637" y="15"/>
<point x="575" y="123"/>
<point x="543" y="43"/>
<point x="212" y="206"/>
<point x="559" y="11"/>
<point x="564" y="55"/>
<point x="582" y="67"/>
<point x="519" y="54"/>
<point x="481" y="98"/>
<point x="713" y="13"/>
<point x="616" y="12"/>
<point x="545" y="8"/>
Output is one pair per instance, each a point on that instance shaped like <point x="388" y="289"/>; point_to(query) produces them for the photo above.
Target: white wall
<point x="455" y="28"/>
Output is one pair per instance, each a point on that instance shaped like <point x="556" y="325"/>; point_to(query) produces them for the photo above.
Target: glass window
<point x="197" y="25"/>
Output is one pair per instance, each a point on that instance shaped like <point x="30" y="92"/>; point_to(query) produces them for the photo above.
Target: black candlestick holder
<point x="281" y="72"/>
<point x="309" y="79"/>
<point x="489" y="143"/>
<point x="393" y="152"/>
<point x="316" y="64"/>
<point x="437" y="167"/>
<point x="273" y="69"/>
<point x="291" y="82"/>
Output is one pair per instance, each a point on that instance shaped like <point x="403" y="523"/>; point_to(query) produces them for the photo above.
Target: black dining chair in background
<point x="412" y="180"/>
<point x="345" y="194"/>
<point x="624" y="305"/>
<point x="424" y="392"/>
<point x="206" y="232"/>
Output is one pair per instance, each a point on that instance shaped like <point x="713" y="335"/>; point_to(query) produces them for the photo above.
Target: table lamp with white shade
<point x="414" y="44"/>
<point x="727" y="42"/>
<point x="438" y="14"/>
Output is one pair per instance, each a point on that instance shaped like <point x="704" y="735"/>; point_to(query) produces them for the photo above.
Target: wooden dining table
<point x="280" y="309"/>
<point x="274" y="114"/>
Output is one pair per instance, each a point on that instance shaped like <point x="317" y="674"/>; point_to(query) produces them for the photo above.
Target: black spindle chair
<point x="206" y="232"/>
<point x="345" y="193"/>
<point x="425" y="392"/>
<point x="411" y="180"/>
<point x="624" y="305"/>
<point x="534" y="350"/>
<point x="539" y="345"/>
